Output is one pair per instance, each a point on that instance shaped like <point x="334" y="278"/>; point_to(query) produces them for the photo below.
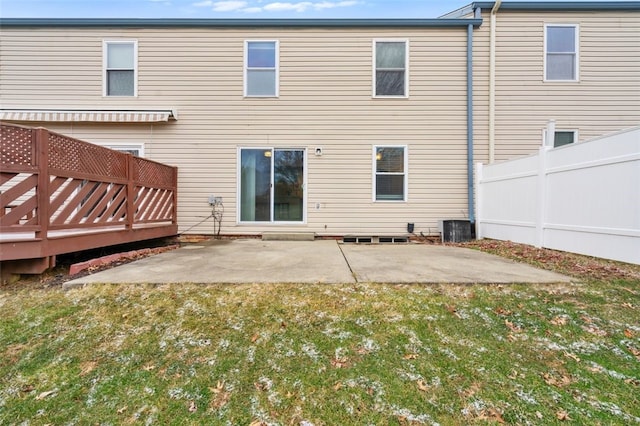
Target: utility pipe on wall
<point x="470" y="184"/>
<point x="492" y="83"/>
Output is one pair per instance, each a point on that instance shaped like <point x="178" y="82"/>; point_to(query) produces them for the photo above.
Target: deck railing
<point x="60" y="194"/>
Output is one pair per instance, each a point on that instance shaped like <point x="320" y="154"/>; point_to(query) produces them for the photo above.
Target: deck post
<point x="174" y="213"/>
<point x="41" y="136"/>
<point x="131" y="187"/>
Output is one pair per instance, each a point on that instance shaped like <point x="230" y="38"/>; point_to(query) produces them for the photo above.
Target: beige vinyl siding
<point x="606" y="98"/>
<point x="325" y="100"/>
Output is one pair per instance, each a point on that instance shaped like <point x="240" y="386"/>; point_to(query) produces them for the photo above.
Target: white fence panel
<point x="582" y="198"/>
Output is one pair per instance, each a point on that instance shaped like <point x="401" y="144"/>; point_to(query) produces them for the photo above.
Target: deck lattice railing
<point x="51" y="182"/>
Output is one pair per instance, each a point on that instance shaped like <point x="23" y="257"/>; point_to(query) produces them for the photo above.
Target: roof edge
<point x="561" y="5"/>
<point x="225" y="23"/>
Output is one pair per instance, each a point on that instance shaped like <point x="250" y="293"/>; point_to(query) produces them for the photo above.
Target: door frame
<point x="305" y="176"/>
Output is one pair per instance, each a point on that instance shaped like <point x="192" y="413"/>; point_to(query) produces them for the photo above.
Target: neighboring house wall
<point x="605" y="97"/>
<point x="325" y="100"/>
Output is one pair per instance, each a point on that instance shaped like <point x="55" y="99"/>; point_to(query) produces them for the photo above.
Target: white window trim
<point x="246" y="67"/>
<point x="575" y="136"/>
<point x="406" y="68"/>
<point x="271" y="222"/>
<point x="374" y="173"/>
<point x="105" y="44"/>
<point x="122" y="147"/>
<point x="577" y="53"/>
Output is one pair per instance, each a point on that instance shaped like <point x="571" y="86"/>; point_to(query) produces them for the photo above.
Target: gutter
<point x="564" y="6"/>
<point x="492" y="83"/>
<point x="231" y="23"/>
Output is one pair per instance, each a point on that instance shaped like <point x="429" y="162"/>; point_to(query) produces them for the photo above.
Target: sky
<point x="220" y="9"/>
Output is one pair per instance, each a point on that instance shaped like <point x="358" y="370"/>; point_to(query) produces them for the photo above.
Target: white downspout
<point x="492" y="83"/>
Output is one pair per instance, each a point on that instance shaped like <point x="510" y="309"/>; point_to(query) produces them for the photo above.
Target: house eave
<point x="568" y="6"/>
<point x="227" y="23"/>
<point x="547" y="6"/>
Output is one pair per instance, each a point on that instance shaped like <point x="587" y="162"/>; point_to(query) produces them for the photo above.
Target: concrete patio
<point x="321" y="261"/>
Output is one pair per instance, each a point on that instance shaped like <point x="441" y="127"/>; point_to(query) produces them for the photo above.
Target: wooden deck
<point x="60" y="195"/>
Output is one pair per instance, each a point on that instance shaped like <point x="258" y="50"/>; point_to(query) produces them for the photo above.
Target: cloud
<point x="279" y="7"/>
<point x="300" y="6"/>
<point x="262" y="6"/>
<point x="229" y="6"/>
<point x="331" y="5"/>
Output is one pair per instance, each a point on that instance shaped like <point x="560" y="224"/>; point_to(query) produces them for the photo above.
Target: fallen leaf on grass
<point x="422" y="386"/>
<point x="340" y="362"/>
<point x="559" y="320"/>
<point x="628" y="333"/>
<point x="472" y="390"/>
<point x="502" y="311"/>
<point x="635" y="352"/>
<point x="491" y="414"/>
<point x="586" y="319"/>
<point x="453" y="310"/>
<point x="556" y="380"/>
<point x="149" y="367"/>
<point x="220" y="396"/>
<point x="337" y="386"/>
<point x="410" y="356"/>
<point x="219" y="387"/>
<point x="515" y="375"/>
<point x="255" y="337"/>
<point x="27" y="388"/>
<point x="192" y="407"/>
<point x="122" y="409"/>
<point x="562" y="415"/>
<point x="257" y="423"/>
<point x="261" y="386"/>
<point x="43" y="395"/>
<point x="595" y="331"/>
<point x="13" y="351"/>
<point x="572" y="356"/>
<point x="87" y="367"/>
<point x="632" y="381"/>
<point x="627" y="305"/>
<point x="513" y="327"/>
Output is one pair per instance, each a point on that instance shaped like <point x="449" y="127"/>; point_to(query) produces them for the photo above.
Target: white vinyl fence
<point x="582" y="198"/>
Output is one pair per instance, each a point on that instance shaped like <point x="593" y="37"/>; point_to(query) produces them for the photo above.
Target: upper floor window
<point x="390" y="173"/>
<point x="390" y="77"/>
<point x="261" y="68"/>
<point x="561" y="53"/>
<point x="120" y="67"/>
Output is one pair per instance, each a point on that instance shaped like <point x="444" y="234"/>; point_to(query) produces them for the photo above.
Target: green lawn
<point x="322" y="354"/>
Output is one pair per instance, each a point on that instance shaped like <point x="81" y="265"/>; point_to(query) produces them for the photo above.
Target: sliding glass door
<point x="271" y="185"/>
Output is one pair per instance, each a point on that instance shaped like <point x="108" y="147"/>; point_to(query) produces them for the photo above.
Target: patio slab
<point x="234" y="261"/>
<point x="320" y="261"/>
<point x="421" y="263"/>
